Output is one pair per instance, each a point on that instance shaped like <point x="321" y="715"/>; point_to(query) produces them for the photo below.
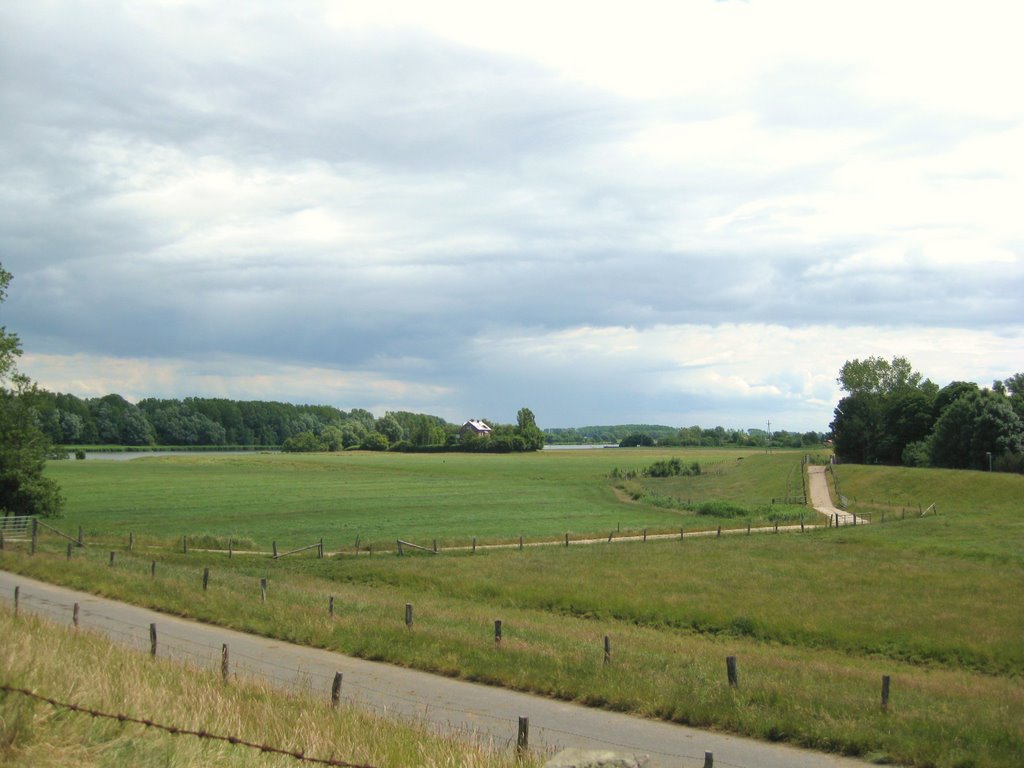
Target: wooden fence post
<point x="801" y="525"/>
<point x="152" y="639"/>
<point x="719" y="530"/>
<point x="231" y="547"/>
<point x="709" y="760"/>
<point x="320" y="550"/>
<point x="74" y="615"/>
<point x="336" y="689"/>
<point x="224" y="667"/>
<point x="497" y="633"/>
<point x="131" y="541"/>
<point x="17" y="597"/>
<point x="474" y="545"/>
<point x="206" y="578"/>
<point x="408" y="615"/>
<point x="730" y="668"/>
<point x="567" y="539"/>
<point x="69" y="551"/>
<point x="435" y="546"/>
<point x="607" y="649"/>
<point x="275" y="550"/>
<point x="520" y="541"/>
<point x="523" y="739"/>
<point x="776" y="526"/>
<point x="81" y="541"/>
<point x="263" y="589"/>
<point x="111" y="558"/>
<point x="152" y="568"/>
<point x="35" y="534"/>
<point x="645" y="534"/>
<point x="885" y="693"/>
<point x="330" y="606"/>
<point x="400" y="552"/>
<point x="1" y="540"/>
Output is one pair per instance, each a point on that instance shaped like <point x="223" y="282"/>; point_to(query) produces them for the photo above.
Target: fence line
<point x="15" y="523"/>
<point x="177" y="731"/>
<point x="256" y="668"/>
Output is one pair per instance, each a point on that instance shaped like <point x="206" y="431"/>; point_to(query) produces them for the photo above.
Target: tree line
<point x="630" y="435"/>
<point x="68" y="420"/>
<point x="892" y="415"/>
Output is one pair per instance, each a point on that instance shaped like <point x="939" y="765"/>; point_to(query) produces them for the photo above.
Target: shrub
<point x="303" y="442"/>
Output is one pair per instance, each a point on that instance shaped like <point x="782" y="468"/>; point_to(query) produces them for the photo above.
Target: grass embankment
<point x="87" y="670"/>
<point x="815" y="620"/>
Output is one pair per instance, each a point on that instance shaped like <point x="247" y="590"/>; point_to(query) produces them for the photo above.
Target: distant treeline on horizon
<point x="194" y="421"/>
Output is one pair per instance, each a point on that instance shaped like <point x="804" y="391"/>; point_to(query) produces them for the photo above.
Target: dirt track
<point x="821" y="499"/>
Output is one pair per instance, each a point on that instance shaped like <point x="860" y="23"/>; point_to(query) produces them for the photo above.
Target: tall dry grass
<point x="87" y="670"/>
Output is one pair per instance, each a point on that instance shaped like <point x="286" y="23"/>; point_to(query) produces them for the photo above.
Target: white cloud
<point x="688" y="206"/>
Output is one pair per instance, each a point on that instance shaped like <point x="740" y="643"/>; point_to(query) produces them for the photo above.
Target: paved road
<point x="821" y="499"/>
<point x="490" y="712"/>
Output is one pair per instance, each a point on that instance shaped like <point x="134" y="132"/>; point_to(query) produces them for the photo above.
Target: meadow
<point x="296" y="499"/>
<point x="815" y="619"/>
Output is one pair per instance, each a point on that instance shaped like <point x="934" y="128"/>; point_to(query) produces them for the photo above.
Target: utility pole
<point x="768" y="447"/>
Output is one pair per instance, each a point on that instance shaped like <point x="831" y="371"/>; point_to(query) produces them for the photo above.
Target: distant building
<point x="475" y="427"/>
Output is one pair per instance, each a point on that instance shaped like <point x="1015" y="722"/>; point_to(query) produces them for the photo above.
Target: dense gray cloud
<point x="186" y="190"/>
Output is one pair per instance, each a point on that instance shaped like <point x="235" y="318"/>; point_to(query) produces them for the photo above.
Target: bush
<point x="303" y="442"/>
<point x="721" y="509"/>
<point x="917" y="454"/>
<point x="374" y="441"/>
<point x="672" y="468"/>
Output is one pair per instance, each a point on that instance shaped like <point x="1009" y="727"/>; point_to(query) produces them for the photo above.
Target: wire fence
<point x="178" y="648"/>
<point x="178" y="731"/>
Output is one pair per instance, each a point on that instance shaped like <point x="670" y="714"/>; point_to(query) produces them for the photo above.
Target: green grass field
<point x="815" y="619"/>
<point x="378" y="497"/>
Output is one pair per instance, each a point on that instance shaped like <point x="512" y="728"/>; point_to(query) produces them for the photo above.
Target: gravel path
<point x="821" y="499"/>
<point x="440" y="701"/>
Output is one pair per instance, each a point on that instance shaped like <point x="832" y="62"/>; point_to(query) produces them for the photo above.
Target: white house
<point x="475" y="427"/>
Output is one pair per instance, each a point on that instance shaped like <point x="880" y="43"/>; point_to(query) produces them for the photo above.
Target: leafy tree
<point x="24" y="448"/>
<point x="119" y="422"/>
<point x="883" y="412"/>
<point x="388" y="426"/>
<point x="527" y="429"/>
<point x="332" y="436"/>
<point x="907" y="419"/>
<point x="952" y="392"/>
<point x="1013" y="388"/>
<point x="857" y="427"/>
<point x="973" y="426"/>
<point x="878" y="376"/>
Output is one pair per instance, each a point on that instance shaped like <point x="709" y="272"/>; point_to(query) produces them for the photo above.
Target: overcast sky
<point x="663" y="212"/>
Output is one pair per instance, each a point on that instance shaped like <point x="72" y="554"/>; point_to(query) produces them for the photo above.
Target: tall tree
<point x="877" y="376"/>
<point x="24" y="447"/>
<point x="526" y="428"/>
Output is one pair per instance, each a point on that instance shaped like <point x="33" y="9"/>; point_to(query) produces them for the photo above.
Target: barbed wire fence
<point x="178" y="731"/>
<point x="303" y="680"/>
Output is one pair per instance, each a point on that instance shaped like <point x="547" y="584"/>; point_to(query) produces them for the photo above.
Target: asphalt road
<point x="449" y="704"/>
